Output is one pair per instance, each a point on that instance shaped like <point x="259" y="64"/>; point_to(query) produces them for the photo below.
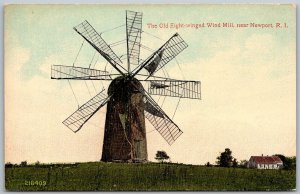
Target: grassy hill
<point x="96" y="176"/>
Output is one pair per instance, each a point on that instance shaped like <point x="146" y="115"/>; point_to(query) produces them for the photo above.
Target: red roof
<point x="266" y="159"/>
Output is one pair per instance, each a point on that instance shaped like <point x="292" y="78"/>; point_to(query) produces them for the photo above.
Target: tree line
<point x="225" y="159"/>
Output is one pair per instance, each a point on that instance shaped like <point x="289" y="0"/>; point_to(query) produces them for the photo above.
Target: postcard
<point x="150" y="97"/>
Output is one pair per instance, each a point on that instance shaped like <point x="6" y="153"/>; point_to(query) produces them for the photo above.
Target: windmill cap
<point x="122" y="85"/>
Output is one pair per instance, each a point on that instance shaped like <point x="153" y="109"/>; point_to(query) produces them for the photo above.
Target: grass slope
<point x="96" y="176"/>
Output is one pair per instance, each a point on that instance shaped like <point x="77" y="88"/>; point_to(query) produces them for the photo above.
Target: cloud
<point x="260" y="43"/>
<point x="241" y="104"/>
<point x="15" y="58"/>
<point x="34" y="111"/>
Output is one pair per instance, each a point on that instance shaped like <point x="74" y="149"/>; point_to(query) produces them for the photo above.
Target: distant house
<point x="265" y="162"/>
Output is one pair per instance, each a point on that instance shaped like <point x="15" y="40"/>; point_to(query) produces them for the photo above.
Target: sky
<point x="248" y="80"/>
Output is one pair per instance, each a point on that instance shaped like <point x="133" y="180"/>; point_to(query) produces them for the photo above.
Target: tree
<point x="243" y="163"/>
<point x="225" y="159"/>
<point x="161" y="156"/>
<point x="208" y="164"/>
<point x="289" y="163"/>
<point x="23" y="163"/>
<point x="8" y="165"/>
<point x="293" y="162"/>
<point x="234" y="163"/>
<point x="37" y="163"/>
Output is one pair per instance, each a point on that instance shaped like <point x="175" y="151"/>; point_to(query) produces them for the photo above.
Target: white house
<point x="265" y="162"/>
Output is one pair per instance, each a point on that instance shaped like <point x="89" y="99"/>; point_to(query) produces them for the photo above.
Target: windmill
<point x="128" y="103"/>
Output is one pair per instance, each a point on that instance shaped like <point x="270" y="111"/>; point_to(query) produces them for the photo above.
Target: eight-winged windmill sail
<point x="128" y="103"/>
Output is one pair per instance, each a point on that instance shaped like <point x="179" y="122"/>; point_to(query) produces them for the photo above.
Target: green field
<point x="95" y="176"/>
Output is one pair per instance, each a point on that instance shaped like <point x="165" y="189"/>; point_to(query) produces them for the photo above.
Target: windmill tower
<point x="128" y="103"/>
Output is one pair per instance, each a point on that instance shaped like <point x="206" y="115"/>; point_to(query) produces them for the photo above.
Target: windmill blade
<point x="163" y="55"/>
<point x="153" y="65"/>
<point x="160" y="121"/>
<point x="92" y="37"/>
<point x="153" y="110"/>
<point x="85" y="112"/>
<point x="175" y="88"/>
<point x="133" y="31"/>
<point x="71" y="72"/>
